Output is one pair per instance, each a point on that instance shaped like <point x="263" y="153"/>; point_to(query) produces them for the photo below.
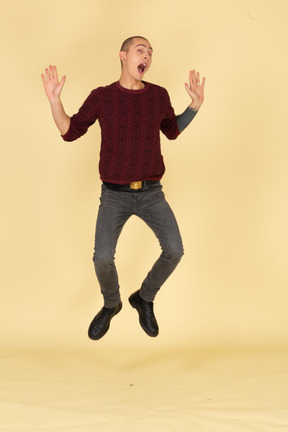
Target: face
<point x="137" y="60"/>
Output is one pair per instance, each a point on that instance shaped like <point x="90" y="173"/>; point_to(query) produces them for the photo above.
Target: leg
<point x="158" y="215"/>
<point x="114" y="211"/>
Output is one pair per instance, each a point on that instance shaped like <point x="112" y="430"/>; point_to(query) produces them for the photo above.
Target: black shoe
<point x="146" y="314"/>
<point x="101" y="323"/>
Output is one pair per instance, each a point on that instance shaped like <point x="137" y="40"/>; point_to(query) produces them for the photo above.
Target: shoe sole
<point x="134" y="304"/>
<point x="103" y="334"/>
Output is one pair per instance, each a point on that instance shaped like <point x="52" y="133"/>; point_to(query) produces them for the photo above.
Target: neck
<point x="130" y="83"/>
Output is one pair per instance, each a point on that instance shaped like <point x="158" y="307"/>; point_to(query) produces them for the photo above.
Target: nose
<point x="146" y="55"/>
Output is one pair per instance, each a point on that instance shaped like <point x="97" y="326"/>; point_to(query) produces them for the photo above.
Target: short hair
<point x="126" y="44"/>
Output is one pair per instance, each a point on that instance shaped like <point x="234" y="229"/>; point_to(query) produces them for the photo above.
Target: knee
<point x="174" y="252"/>
<point x="102" y="260"/>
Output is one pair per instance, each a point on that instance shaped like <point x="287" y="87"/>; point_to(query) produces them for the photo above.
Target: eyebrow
<point x="144" y="46"/>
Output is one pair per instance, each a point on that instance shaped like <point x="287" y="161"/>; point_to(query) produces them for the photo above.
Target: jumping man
<point x="131" y="113"/>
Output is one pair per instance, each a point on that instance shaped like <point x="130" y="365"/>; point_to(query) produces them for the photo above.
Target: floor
<point x="185" y="389"/>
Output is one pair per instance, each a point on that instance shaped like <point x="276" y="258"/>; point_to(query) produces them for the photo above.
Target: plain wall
<point x="226" y="177"/>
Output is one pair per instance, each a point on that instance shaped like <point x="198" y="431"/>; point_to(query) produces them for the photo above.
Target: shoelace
<point x="148" y="307"/>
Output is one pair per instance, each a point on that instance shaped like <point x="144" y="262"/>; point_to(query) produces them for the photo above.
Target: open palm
<point x="51" y="83"/>
<point x="195" y="89"/>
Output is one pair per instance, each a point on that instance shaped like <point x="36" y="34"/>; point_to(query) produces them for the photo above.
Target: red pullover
<point x="130" y="122"/>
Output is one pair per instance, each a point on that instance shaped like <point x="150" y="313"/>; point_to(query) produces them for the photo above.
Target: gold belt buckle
<point x="136" y="185"/>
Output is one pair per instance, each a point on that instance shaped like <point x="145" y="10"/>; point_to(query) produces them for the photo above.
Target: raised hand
<point x="195" y="89"/>
<point x="51" y="83"/>
<point x="53" y="90"/>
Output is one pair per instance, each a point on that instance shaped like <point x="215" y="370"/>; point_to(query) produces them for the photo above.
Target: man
<point x="131" y="113"/>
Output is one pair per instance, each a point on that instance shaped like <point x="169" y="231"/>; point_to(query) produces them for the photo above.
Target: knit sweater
<point x="130" y="122"/>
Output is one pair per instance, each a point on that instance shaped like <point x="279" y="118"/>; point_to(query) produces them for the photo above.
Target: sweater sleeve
<point x="169" y="122"/>
<point x="86" y="116"/>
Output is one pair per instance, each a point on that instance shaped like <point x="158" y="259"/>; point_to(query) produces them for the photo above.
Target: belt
<point x="131" y="187"/>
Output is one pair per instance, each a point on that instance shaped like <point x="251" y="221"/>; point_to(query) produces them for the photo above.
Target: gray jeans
<point x="116" y="207"/>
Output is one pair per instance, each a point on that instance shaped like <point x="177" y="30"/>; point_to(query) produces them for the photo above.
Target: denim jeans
<point x="116" y="207"/>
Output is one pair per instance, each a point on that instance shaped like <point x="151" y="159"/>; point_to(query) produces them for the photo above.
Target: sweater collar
<point x="147" y="85"/>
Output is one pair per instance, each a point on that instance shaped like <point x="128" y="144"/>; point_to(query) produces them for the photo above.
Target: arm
<point x="184" y="119"/>
<point x="196" y="92"/>
<point x="53" y="90"/>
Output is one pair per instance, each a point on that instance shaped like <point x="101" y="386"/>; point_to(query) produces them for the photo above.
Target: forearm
<point x="61" y="119"/>
<point x="184" y="119"/>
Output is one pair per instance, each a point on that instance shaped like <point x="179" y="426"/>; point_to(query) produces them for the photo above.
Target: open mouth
<point x="142" y="67"/>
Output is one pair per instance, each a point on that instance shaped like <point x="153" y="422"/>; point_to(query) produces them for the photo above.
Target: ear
<point x="122" y="56"/>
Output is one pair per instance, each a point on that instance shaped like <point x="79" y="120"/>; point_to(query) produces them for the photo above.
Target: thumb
<point x="188" y="89"/>
<point x="62" y="82"/>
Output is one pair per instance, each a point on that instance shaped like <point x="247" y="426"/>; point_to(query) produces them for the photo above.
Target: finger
<point x="55" y="73"/>
<point x="188" y="89"/>
<point x="203" y="82"/>
<point x="192" y="78"/>
<point x="198" y="78"/>
<point x="51" y="72"/>
<point x="62" y="82"/>
<point x="43" y="79"/>
<point x="47" y="74"/>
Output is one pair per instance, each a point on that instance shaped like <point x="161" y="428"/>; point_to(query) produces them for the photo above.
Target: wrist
<point x="194" y="106"/>
<point x="55" y="100"/>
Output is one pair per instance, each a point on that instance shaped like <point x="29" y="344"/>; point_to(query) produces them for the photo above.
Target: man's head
<point x="136" y="56"/>
<point x="126" y="44"/>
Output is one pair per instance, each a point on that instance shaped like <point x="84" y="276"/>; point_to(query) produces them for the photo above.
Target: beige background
<point x="226" y="175"/>
<point x="226" y="180"/>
